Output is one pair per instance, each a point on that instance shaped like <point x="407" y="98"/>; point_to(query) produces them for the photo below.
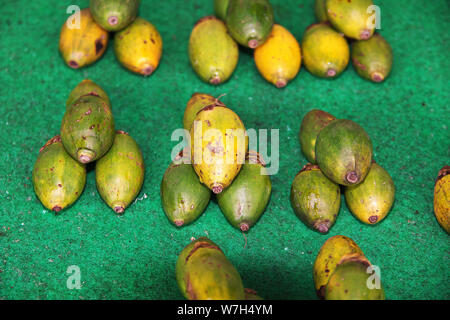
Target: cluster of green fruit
<point x="88" y="134"/>
<point x="340" y="152"/>
<point x="241" y="187"/>
<point x="137" y="43"/>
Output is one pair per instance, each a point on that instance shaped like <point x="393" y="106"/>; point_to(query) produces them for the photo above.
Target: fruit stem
<point x="351" y="177"/>
<point x="113" y="20"/>
<point x="85" y="155"/>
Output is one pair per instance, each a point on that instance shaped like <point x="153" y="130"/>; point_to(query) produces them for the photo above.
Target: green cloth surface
<point x="133" y="256"/>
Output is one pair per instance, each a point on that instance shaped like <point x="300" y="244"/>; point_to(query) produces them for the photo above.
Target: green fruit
<point x="245" y="200"/>
<point x="114" y="15"/>
<point x="372" y="59"/>
<point x="251" y="294"/>
<point x="249" y="21"/>
<point x="204" y="273"/>
<point x="220" y="8"/>
<point x="314" y="121"/>
<point x="120" y="173"/>
<point x="344" y="152"/>
<point x="87" y="128"/>
<point x="315" y="198"/>
<point x="196" y="103"/>
<point x="321" y="10"/>
<point x="58" y="179"/>
<point x="87" y="87"/>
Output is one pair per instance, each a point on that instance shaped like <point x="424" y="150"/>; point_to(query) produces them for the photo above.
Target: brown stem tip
<point x="179" y="223"/>
<point x="244" y="227"/>
<point x="119" y="209"/>
<point x="217" y="188"/>
<point x="252" y="44"/>
<point x="113" y="20"/>
<point x="352" y="177"/>
<point x="56" y="208"/>
<point x="73" y="64"/>
<point x="365" y="34"/>
<point x="373" y="219"/>
<point x="147" y="71"/>
<point x="281" y="83"/>
<point x="322" y="227"/>
<point x="377" y="77"/>
<point x="215" y="80"/>
<point x="331" y="73"/>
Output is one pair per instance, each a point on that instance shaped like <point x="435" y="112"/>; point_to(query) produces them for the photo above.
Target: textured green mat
<point x="133" y="256"/>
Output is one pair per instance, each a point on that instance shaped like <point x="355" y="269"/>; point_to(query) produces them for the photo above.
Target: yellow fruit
<point x="442" y="198"/>
<point x="279" y="58"/>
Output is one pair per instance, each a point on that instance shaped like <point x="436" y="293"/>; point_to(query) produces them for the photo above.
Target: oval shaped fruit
<point x="320" y="10"/>
<point x="249" y="21"/>
<point x="220" y="8"/>
<point x="314" y="121"/>
<point x="87" y="87"/>
<point x="279" y="58"/>
<point x="82" y="46"/>
<point x="442" y="198"/>
<point x="87" y="128"/>
<point x="344" y="152"/>
<point x="245" y="200"/>
<point x="139" y="47"/>
<point x="212" y="52"/>
<point x="315" y="198"/>
<point x="325" y="52"/>
<point x="204" y="273"/>
<point x="58" y="179"/>
<point x="114" y="15"/>
<point x="352" y="18"/>
<point x="196" y="103"/>
<point x="119" y="175"/>
<point x="372" y="59"/>
<point x="371" y="200"/>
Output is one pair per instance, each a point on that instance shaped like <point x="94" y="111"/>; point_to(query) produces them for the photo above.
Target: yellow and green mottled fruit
<point x="314" y="121"/>
<point x="329" y="256"/>
<point x="320" y="10"/>
<point x="344" y="152"/>
<point x="87" y="87"/>
<point x="354" y="18"/>
<point x="114" y="15"/>
<point x="351" y="281"/>
<point x="249" y="21"/>
<point x="87" y="128"/>
<point x="58" y="179"/>
<point x="371" y="200"/>
<point x="212" y="52"/>
<point x="372" y="59"/>
<point x="251" y="294"/>
<point x="442" y="198"/>
<point x="245" y="200"/>
<point x="315" y="198"/>
<point x="120" y="173"/>
<point x="196" y="103"/>
<point x="203" y="272"/>
<point x="220" y="8"/>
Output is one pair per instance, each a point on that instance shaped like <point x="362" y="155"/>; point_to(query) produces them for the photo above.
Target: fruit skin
<point x="442" y="198"/>
<point x="58" y="179"/>
<point x="220" y="8"/>
<point x="139" y="47"/>
<point x="83" y="46"/>
<point x="204" y="273"/>
<point x="196" y="103"/>
<point x="212" y="52"/>
<point x="344" y="152"/>
<point x="315" y="198"/>
<point x="371" y="200"/>
<point x="326" y="53"/>
<point x="114" y="15"/>
<point x="372" y="59"/>
<point x="279" y="58"/>
<point x="249" y="21"/>
<point x="245" y="200"/>
<point x="350" y="17"/>
<point x="314" y="121"/>
<point x="87" y="87"/>
<point x="320" y="10"/>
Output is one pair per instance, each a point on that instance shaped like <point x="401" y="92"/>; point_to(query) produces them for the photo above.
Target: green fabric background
<point x="133" y="256"/>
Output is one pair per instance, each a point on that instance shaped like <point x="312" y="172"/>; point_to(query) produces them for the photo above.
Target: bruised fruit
<point x="320" y="10"/>
<point x="83" y="45"/>
<point x="371" y="200"/>
<point x="220" y="8"/>
<point x="344" y="152"/>
<point x="87" y="128"/>
<point x="279" y="58"/>
<point x="249" y="21"/>
<point x="442" y="198"/>
<point x="138" y="47"/>
<point x="245" y="200"/>
<point x="325" y="52"/>
<point x="251" y="294"/>
<point x="315" y="198"/>
<point x="203" y="272"/>
<point x="197" y="102"/>
<point x="87" y="87"/>
<point x="58" y="179"/>
<point x="372" y="59"/>
<point x="114" y="15"/>
<point x="212" y="52"/>
<point x="120" y="173"/>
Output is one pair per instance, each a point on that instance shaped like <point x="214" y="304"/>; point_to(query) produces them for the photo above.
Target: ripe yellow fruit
<point x="442" y="198"/>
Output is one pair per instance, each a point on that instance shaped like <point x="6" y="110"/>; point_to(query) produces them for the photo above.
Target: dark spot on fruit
<point x="98" y="46"/>
<point x="73" y="64"/>
<point x="60" y="185"/>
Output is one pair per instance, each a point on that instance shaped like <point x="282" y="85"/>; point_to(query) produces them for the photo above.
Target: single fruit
<point x="315" y="198"/>
<point x="245" y="200"/>
<point x="203" y="272"/>
<point x="212" y="52"/>
<point x="372" y="59"/>
<point x="220" y="8"/>
<point x="83" y="45"/>
<point x="114" y="15"/>
<point x="139" y="47"/>
<point x="325" y="52"/>
<point x="320" y="10"/>
<point x="279" y="58"/>
<point x="120" y="173"/>
<point x="58" y="179"/>
<point x="314" y="121"/>
<point x="196" y="103"/>
<point x="251" y="294"/>
<point x="249" y="21"/>
<point x="344" y="152"/>
<point x="87" y="87"/>
<point x="442" y="198"/>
